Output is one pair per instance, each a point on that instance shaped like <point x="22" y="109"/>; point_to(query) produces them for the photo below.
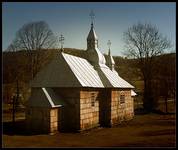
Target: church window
<point x="122" y="98"/>
<point x="92" y="99"/>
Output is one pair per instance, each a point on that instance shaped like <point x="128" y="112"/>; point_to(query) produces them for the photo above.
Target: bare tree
<point x="33" y="36"/>
<point x="144" y="42"/>
<point x="13" y="47"/>
<point x="166" y="76"/>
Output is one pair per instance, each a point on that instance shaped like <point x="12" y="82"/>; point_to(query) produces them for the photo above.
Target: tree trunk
<point x="166" y="95"/>
<point x="145" y="96"/>
<point x="17" y="97"/>
<point x="13" y="110"/>
<point x="166" y="106"/>
<point x="148" y="100"/>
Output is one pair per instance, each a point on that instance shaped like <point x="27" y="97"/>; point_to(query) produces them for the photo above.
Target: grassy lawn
<point x="145" y="130"/>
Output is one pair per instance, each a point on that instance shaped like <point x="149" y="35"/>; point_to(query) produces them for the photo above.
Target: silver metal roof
<point x="84" y="71"/>
<point x="72" y="71"/>
<point x="115" y="80"/>
<point x="95" y="56"/>
<point x="44" y="97"/>
<point x="67" y="71"/>
<point x="56" y="74"/>
<point x="133" y="93"/>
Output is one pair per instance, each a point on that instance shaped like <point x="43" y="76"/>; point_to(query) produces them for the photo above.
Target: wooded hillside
<point x="16" y="65"/>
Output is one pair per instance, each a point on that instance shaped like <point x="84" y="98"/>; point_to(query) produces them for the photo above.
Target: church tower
<point x="94" y="55"/>
<point x="109" y="59"/>
<point x="92" y="39"/>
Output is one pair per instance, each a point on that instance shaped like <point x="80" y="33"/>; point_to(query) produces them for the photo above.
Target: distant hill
<point x="16" y="64"/>
<point x="127" y="68"/>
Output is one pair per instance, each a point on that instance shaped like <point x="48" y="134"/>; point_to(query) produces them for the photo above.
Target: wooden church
<point x="74" y="94"/>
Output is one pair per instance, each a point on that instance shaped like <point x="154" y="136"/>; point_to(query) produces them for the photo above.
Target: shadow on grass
<point x="18" y="128"/>
<point x="157" y="111"/>
<point x="142" y="111"/>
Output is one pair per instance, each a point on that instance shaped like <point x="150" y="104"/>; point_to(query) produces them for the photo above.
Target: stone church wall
<point x="84" y="108"/>
<point x="121" y="111"/>
<point x="89" y="109"/>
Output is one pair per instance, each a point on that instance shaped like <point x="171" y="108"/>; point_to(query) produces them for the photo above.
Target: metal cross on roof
<point x="109" y="45"/>
<point x="92" y="15"/>
<point x="61" y="40"/>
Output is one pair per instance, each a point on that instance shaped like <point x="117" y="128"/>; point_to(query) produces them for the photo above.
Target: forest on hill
<point x="16" y="67"/>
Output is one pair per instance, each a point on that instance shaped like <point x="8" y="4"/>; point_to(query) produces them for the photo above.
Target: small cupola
<point x="109" y="59"/>
<point x="92" y="39"/>
<point x="93" y="53"/>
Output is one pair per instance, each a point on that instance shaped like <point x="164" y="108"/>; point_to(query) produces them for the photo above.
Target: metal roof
<point x="84" y="71"/>
<point x="133" y="93"/>
<point x="54" y="100"/>
<point x="95" y="57"/>
<point x="44" y="97"/>
<point x="67" y="71"/>
<point x="109" y="59"/>
<point x="71" y="71"/>
<point x="56" y="74"/>
<point x="92" y="34"/>
<point x="114" y="78"/>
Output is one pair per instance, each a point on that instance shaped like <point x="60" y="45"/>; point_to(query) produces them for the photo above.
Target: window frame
<point x="92" y="99"/>
<point x="122" y="98"/>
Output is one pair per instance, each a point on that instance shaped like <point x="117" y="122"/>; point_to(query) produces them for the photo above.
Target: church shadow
<point x="140" y="111"/>
<point x="160" y="112"/>
<point x="16" y="128"/>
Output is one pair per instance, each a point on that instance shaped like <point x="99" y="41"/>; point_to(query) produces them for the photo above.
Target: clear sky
<point x="73" y="21"/>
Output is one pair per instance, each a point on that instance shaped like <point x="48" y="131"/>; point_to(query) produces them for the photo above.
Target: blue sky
<point x="73" y="21"/>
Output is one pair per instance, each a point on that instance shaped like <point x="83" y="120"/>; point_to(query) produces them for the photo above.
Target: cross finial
<point x="92" y="15"/>
<point x="61" y="40"/>
<point x="109" y="45"/>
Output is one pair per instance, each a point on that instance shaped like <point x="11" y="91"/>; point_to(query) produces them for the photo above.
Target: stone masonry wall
<point x="89" y="115"/>
<point x="124" y="111"/>
<point x="54" y="122"/>
<point x="78" y="112"/>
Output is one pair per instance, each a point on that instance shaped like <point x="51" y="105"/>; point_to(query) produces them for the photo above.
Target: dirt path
<point x="150" y="130"/>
